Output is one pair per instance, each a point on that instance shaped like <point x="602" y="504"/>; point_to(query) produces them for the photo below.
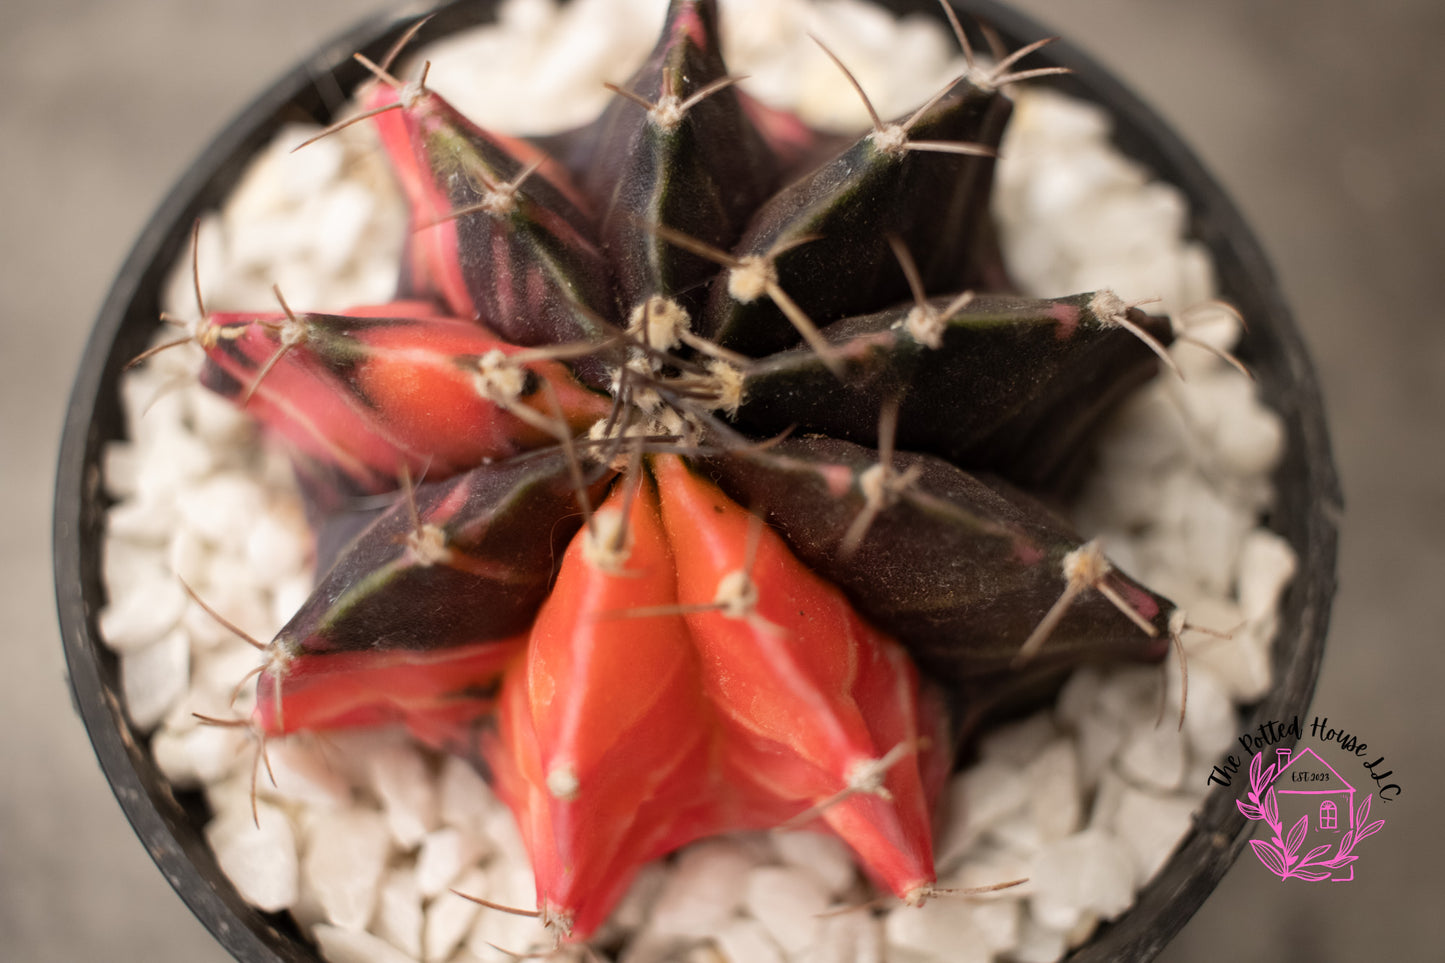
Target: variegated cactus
<point x="725" y="434"/>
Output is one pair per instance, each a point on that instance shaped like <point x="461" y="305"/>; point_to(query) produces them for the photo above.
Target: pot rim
<point x="171" y="827"/>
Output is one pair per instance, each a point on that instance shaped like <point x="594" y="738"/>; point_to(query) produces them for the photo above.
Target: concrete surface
<point x="1325" y="120"/>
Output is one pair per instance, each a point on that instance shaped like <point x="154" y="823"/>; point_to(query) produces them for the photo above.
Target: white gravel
<point x="1086" y="799"/>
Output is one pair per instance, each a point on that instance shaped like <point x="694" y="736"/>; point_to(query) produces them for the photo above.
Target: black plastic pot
<point x="171" y="824"/>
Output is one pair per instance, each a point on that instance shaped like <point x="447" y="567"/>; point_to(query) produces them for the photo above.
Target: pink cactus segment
<point x="424" y="139"/>
<point x="1067" y="315"/>
<point x="1139" y="600"/>
<point x="348" y="689"/>
<point x="301" y="402"/>
<point x="432" y="260"/>
<point x="784" y="132"/>
<point x="818" y="707"/>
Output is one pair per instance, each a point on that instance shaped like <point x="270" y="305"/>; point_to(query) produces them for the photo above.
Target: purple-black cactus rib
<point x="1015" y="385"/>
<point x="702" y="175"/>
<point x="850" y="207"/>
<point x="959" y="570"/>
<point x="503" y="527"/>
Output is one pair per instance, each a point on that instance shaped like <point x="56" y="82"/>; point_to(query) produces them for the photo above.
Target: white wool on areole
<point x="1086" y="798"/>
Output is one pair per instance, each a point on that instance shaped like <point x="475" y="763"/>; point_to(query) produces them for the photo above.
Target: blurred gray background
<point x="1324" y="118"/>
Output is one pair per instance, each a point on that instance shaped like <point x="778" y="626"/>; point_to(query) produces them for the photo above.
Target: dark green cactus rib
<point x="490" y="540"/>
<point x="959" y="570"/>
<point x="699" y="166"/>
<point x="1014" y="385"/>
<point x="844" y="212"/>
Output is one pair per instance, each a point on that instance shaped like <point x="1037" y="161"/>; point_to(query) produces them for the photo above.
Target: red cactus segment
<point x="792" y="669"/>
<point x="605" y="739"/>
<point x="329" y="430"/>
<point x="449" y="388"/>
<point x="348" y="689"/>
<point x="373" y="393"/>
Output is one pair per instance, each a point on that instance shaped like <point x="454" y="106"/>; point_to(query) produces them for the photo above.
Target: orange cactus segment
<point x="779" y="646"/>
<point x="605" y="745"/>
<point x="605" y="627"/>
<point x="824" y="710"/>
<point x="892" y="830"/>
<point x="449" y="387"/>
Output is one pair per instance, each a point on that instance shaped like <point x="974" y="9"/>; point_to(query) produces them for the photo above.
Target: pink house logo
<point x="1302" y="791"/>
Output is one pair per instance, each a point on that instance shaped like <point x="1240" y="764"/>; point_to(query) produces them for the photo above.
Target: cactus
<point x="735" y="456"/>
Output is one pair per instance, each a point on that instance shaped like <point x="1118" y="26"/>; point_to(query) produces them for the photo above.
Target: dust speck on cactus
<point x="703" y="474"/>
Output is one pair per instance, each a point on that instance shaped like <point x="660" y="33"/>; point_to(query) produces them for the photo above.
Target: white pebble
<point x="1209" y="717"/>
<point x="1098" y="741"/>
<point x="260" y="862"/>
<point x="939" y="930"/>
<point x="823" y="856"/>
<point x="1039" y="943"/>
<point x="1151" y="826"/>
<point x="1054" y="792"/>
<point x="154" y="678"/>
<point x="465" y="801"/>
<point x="1266" y="565"/>
<point x="303" y="775"/>
<point x="444" y="853"/>
<point x="175" y="463"/>
<point x="223" y="508"/>
<point x="1090" y="871"/>
<point x="848" y="938"/>
<point x="509" y="885"/>
<point x="747" y="941"/>
<point x="399" y="775"/>
<point x="399" y="915"/>
<point x="1153" y="754"/>
<point x="345" y="858"/>
<point x="144" y="613"/>
<point x="144" y="519"/>
<point x="1250" y="440"/>
<point x="277" y="544"/>
<point x="339" y="945"/>
<point x="195" y="754"/>
<point x="706" y="888"/>
<point x="787" y="902"/>
<point x="635" y="907"/>
<point x="340" y="214"/>
<point x="979" y="798"/>
<point x="449" y="918"/>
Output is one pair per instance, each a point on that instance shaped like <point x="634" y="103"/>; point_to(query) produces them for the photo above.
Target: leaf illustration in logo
<point x="1271" y="807"/>
<point x="1296" y="837"/>
<point x="1362" y="812"/>
<point x="1312" y="875"/>
<point x="1269" y="856"/>
<point x="1250" y="812"/>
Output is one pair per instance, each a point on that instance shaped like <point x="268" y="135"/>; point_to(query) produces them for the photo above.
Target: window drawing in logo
<point x="1303" y="791"/>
